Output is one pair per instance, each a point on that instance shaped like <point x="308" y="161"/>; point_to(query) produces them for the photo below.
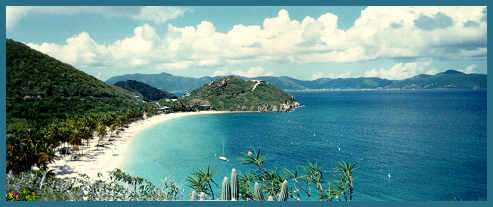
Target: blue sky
<point x="301" y="42"/>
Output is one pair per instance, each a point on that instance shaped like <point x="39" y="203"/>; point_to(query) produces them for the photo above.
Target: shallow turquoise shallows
<point x="432" y="143"/>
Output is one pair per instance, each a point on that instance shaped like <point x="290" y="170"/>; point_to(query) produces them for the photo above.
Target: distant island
<point x="234" y="94"/>
<point x="450" y="79"/>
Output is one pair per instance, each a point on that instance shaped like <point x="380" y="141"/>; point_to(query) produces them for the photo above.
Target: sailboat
<point x="223" y="158"/>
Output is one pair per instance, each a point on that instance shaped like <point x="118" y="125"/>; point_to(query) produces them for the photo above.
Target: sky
<point x="306" y="43"/>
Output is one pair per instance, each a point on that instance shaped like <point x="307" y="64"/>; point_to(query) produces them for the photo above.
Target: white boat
<point x="223" y="158"/>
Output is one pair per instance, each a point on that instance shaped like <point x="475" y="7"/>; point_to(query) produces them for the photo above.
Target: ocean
<point x="432" y="143"/>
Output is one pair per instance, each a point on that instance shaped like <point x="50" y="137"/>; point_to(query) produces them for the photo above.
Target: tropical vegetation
<point x="116" y="186"/>
<point x="259" y="183"/>
<point x="50" y="104"/>
<point x="302" y="183"/>
<point x="146" y="91"/>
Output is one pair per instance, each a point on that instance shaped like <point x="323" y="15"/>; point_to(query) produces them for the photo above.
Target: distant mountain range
<point x="447" y="79"/>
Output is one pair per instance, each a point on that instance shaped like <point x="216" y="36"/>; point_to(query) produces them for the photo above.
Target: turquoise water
<point x="433" y="143"/>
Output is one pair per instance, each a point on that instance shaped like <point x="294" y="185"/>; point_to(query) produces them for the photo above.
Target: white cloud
<point x="83" y="51"/>
<point x="155" y="14"/>
<point x="14" y="15"/>
<point x="80" y="50"/>
<point x="250" y="73"/>
<point x="318" y="75"/>
<point x="377" y="32"/>
<point x="401" y="71"/>
<point x="158" y="14"/>
<point x="253" y="72"/>
<point x="470" y="69"/>
<point x="333" y="75"/>
<point x="220" y="73"/>
<point x="380" y="32"/>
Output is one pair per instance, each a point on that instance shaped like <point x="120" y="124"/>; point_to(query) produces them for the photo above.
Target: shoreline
<point x="104" y="159"/>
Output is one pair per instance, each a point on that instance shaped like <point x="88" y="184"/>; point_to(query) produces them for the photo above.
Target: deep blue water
<point x="432" y="142"/>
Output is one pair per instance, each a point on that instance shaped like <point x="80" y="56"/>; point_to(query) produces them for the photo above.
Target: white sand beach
<point x="104" y="159"/>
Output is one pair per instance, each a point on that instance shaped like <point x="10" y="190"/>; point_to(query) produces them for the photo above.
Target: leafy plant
<point x="118" y="186"/>
<point x="304" y="182"/>
<point x="202" y="180"/>
<point x="24" y="195"/>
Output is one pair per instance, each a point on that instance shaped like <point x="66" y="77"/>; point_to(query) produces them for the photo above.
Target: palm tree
<point x="45" y="155"/>
<point x="346" y="171"/>
<point x="202" y="180"/>
<point x="196" y="183"/>
<point x="257" y="159"/>
<point x="297" y="186"/>
<point x="341" y="189"/>
<point x="331" y="193"/>
<point x="244" y="182"/>
<point x="314" y="175"/>
<point x="113" y="128"/>
<point x="101" y="132"/>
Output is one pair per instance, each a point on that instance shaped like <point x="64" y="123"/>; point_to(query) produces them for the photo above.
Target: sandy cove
<point x="104" y="159"/>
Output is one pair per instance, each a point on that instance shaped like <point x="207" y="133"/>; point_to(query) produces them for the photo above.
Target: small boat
<point x="223" y="158"/>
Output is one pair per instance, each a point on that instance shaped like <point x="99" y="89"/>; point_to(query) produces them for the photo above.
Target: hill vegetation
<point x="448" y="79"/>
<point x="234" y="94"/>
<point x="50" y="103"/>
<point x="146" y="91"/>
<point x="165" y="81"/>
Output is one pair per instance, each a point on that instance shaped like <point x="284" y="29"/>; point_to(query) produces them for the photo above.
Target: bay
<point x="432" y="143"/>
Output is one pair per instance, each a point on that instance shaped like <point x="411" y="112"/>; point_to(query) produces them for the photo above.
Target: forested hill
<point x="50" y="102"/>
<point x="41" y="87"/>
<point x="165" y="81"/>
<point x="146" y="91"/>
<point x="447" y="79"/>
<point x="235" y="94"/>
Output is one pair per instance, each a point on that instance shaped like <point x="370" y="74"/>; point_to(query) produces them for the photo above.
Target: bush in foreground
<point x="118" y="186"/>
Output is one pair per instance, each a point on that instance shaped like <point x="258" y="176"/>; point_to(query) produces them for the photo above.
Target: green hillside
<point x="448" y="79"/>
<point x="45" y="96"/>
<point x="146" y="91"/>
<point x="165" y="81"/>
<point x="234" y="94"/>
